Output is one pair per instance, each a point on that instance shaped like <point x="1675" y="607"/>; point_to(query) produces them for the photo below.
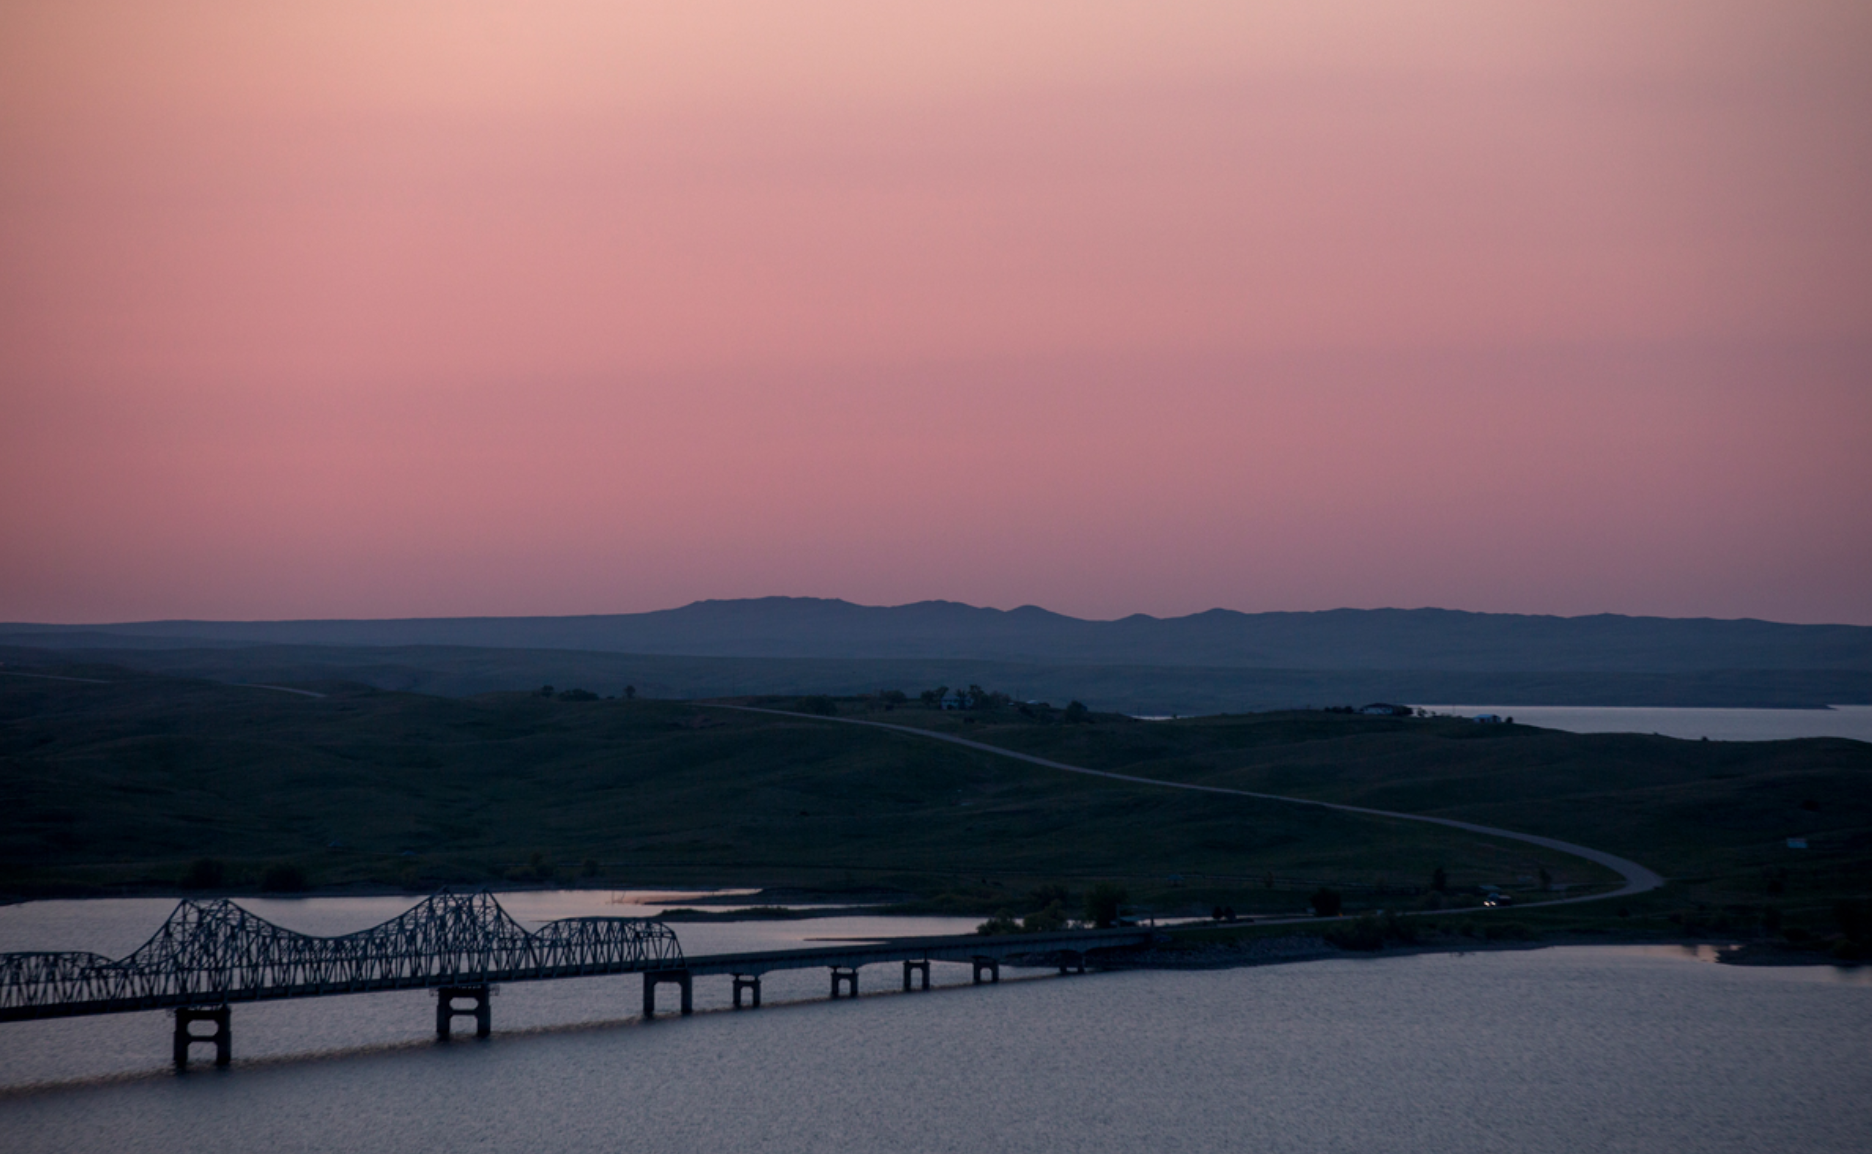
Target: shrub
<point x="1402" y="930"/>
<point x="1372" y="931"/>
<point x="204" y="873"/>
<point x="1102" y="905"/>
<point x="819" y="704"/>
<point x="1048" y="919"/>
<point x="999" y="924"/>
<point x="1361" y="934"/>
<point x="1047" y="895"/>
<point x="283" y="878"/>
<point x="1854" y="918"/>
<point x="1327" y="903"/>
<point x="537" y="869"/>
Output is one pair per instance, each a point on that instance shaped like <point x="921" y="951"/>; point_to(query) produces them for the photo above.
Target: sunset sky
<point x="402" y="308"/>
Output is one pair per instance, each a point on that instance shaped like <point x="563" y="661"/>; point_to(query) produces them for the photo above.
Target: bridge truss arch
<point x="216" y="952"/>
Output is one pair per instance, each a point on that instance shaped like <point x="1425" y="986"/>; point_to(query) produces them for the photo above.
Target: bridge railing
<point x="216" y="951"/>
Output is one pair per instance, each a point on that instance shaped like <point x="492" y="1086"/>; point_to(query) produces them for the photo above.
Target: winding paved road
<point x="1638" y="879"/>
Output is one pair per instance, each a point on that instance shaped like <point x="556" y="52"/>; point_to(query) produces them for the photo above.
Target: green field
<point x="125" y="784"/>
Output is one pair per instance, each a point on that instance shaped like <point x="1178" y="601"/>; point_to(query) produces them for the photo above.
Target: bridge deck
<point x="216" y="953"/>
<point x="955" y="948"/>
<point x="279" y="992"/>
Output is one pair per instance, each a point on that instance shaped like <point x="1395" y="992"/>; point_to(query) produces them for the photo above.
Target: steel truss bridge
<point x="213" y="953"/>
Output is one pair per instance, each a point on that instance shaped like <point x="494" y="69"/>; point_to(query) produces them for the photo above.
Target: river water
<point x="1854" y="721"/>
<point x="1561" y="1049"/>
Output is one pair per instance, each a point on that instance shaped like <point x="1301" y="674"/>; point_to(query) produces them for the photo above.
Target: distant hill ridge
<point x="805" y="627"/>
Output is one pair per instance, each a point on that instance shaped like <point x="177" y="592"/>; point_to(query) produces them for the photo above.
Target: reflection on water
<point x="1560" y="1049"/>
<point x="668" y="899"/>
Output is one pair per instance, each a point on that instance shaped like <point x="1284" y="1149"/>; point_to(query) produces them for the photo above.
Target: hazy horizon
<point x="905" y="605"/>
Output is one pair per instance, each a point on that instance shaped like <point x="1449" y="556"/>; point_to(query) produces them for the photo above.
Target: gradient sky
<point x="444" y="308"/>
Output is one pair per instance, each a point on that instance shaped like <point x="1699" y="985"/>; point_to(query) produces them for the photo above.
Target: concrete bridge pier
<point x="992" y="966"/>
<point x="223" y="1039"/>
<point x="847" y="975"/>
<point x="654" y="978"/>
<point x="1071" y="962"/>
<point x="911" y="967"/>
<point x="446" y="1009"/>
<point x="750" y="983"/>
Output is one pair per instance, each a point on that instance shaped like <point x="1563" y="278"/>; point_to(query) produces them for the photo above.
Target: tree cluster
<point x="1047" y="907"/>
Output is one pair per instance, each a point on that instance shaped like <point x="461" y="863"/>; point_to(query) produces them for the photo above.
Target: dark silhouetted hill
<point x="794" y="627"/>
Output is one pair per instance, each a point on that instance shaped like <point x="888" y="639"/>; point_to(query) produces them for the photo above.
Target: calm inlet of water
<point x="1854" y="721"/>
<point x="1560" y="1049"/>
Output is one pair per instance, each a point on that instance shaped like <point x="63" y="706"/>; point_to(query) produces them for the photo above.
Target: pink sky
<point x="400" y="308"/>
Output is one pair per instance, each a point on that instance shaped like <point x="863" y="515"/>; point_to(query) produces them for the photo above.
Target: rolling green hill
<point x="127" y="779"/>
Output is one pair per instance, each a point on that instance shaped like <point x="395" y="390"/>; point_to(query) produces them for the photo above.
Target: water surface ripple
<point x="1561" y="1049"/>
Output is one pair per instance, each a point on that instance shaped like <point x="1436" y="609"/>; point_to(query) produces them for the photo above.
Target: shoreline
<point x="1263" y="951"/>
<point x="1294" y="940"/>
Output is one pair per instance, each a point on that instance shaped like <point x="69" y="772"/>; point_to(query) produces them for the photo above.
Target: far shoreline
<point x="1276" y="940"/>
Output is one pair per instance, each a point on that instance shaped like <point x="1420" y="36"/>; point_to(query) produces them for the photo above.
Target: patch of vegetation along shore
<point x="129" y="783"/>
<point x="1373" y="934"/>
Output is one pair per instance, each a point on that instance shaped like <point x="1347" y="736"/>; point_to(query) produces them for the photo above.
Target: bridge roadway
<point x="1066" y="949"/>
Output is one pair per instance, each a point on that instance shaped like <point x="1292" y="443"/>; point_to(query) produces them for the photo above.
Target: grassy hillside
<point x="1682" y="807"/>
<point x="1713" y="816"/>
<point x="127" y="780"/>
<point x="131" y="780"/>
